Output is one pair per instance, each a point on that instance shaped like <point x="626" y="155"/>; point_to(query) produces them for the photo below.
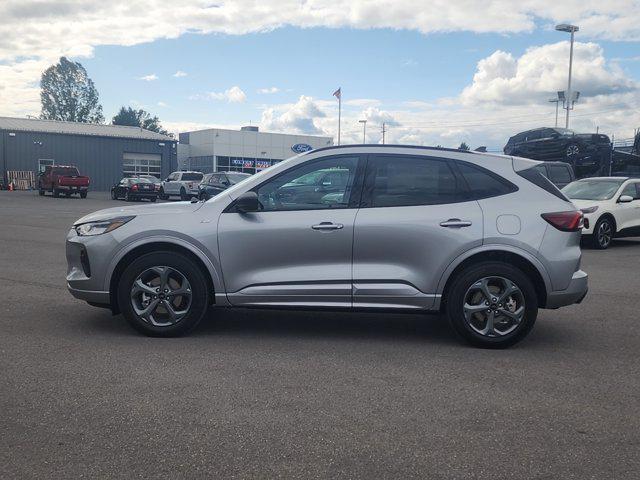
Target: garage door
<point x="141" y="163"/>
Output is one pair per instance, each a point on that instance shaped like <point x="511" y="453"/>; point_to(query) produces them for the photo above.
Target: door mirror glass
<point x="625" y="199"/>
<point x="248" y="202"/>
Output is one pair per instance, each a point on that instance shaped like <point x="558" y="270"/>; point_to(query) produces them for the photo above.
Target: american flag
<point x="338" y="93"/>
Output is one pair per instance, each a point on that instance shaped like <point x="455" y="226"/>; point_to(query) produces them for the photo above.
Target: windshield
<point x="71" y="171"/>
<point x="592" y="189"/>
<point x="237" y="177"/>
<point x="191" y="176"/>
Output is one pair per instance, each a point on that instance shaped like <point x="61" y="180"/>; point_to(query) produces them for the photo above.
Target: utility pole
<point x="384" y="130"/>
<point x="557" y="102"/>
<point x="364" y="130"/>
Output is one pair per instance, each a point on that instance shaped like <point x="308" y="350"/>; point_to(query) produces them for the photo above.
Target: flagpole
<point x="339" y="114"/>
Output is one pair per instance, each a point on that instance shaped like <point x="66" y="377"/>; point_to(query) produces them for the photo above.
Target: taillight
<point x="135" y="187"/>
<point x="157" y="187"/>
<point x="570" y="221"/>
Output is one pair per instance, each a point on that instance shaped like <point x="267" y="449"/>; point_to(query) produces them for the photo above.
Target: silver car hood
<point x="171" y="208"/>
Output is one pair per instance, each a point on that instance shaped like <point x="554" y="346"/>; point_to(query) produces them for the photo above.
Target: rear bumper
<point x="574" y="293"/>
<point x="73" y="188"/>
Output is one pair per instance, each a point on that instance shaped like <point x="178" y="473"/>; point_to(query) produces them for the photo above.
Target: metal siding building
<point x="103" y="152"/>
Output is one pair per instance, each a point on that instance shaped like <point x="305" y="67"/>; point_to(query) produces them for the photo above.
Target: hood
<point x="170" y="208"/>
<point x="587" y="203"/>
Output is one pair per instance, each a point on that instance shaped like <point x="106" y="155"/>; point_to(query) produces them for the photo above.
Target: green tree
<point x="67" y="93"/>
<point x="463" y="146"/>
<point x="138" y="118"/>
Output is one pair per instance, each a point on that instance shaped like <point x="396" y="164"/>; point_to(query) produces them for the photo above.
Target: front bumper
<point x="574" y="293"/>
<point x="87" y="263"/>
<point x="589" y="221"/>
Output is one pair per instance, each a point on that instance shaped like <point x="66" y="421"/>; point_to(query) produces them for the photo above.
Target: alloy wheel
<point x="161" y="296"/>
<point x="573" y="150"/>
<point x="604" y="234"/>
<point x="494" y="306"/>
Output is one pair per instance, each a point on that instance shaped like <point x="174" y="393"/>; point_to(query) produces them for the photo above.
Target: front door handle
<point x="324" y="226"/>
<point x="455" y="223"/>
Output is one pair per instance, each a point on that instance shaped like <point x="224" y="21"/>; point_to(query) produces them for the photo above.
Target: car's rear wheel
<point x="152" y="199"/>
<point x="127" y="197"/>
<point x="56" y="192"/>
<point x="113" y="195"/>
<point x="492" y="305"/>
<point x="41" y="191"/>
<point x="603" y="233"/>
<point x="83" y="194"/>
<point x="163" y="294"/>
<point x="162" y="195"/>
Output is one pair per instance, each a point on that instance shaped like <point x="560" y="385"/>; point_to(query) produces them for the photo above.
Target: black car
<point x="559" y="173"/>
<point x="135" y="188"/>
<point x="587" y="153"/>
<point x="214" y="183"/>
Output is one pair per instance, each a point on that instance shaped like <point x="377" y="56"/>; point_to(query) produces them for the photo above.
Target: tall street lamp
<point x="557" y="102"/>
<point x="364" y="130"/>
<point x="572" y="29"/>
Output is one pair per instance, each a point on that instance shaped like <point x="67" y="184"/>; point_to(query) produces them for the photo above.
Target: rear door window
<point x="402" y="180"/>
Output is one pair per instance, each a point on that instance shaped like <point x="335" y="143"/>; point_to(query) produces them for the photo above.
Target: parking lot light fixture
<point x="572" y="29"/>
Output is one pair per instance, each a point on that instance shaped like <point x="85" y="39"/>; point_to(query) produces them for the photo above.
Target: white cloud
<point x="162" y="104"/>
<point x="149" y="78"/>
<point x="268" y="90"/>
<point x="540" y="72"/>
<point x="300" y="117"/>
<point x="180" y="74"/>
<point x="231" y="95"/>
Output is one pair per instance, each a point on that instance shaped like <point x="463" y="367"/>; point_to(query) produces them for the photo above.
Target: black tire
<point x="152" y="199"/>
<point x="127" y="197"/>
<point x="161" y="194"/>
<point x="41" y="192"/>
<point x="113" y="195"/>
<point x="56" y="193"/>
<point x="463" y="282"/>
<point x="195" y="277"/>
<point x="183" y="195"/>
<point x="601" y="240"/>
<point x="83" y="194"/>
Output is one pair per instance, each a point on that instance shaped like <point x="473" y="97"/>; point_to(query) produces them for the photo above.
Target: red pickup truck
<point x="59" y="179"/>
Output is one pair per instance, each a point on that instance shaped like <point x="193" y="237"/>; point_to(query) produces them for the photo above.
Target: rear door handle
<point x="328" y="226"/>
<point x="455" y="223"/>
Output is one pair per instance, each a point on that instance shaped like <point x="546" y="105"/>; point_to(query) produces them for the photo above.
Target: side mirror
<point x="248" y="202"/>
<point x="625" y="199"/>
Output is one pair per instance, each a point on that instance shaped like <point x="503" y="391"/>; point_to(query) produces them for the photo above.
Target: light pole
<point x="364" y="130"/>
<point x="572" y="29"/>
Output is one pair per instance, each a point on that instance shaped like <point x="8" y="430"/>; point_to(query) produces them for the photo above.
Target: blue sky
<point x="435" y="73"/>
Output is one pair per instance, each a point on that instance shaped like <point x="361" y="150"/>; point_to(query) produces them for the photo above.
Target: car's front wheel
<point x="602" y="233"/>
<point x="492" y="305"/>
<point x="163" y="294"/>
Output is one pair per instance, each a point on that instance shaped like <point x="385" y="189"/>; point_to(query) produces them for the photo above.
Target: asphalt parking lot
<point x="275" y="394"/>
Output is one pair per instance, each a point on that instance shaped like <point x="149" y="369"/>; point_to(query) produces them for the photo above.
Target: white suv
<point x="611" y="207"/>
<point x="182" y="184"/>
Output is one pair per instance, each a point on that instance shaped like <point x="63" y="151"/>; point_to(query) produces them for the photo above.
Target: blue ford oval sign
<point x="301" y="147"/>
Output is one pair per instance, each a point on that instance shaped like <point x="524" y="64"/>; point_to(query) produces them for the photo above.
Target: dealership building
<point x="105" y="153"/>
<point x="246" y="150"/>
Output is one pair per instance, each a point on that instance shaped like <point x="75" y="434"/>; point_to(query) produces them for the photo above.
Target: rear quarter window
<point x="482" y="183"/>
<point x="534" y="176"/>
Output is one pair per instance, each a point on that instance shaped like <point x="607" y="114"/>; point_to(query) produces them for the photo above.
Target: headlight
<point x="101" y="226"/>
<point x="589" y="209"/>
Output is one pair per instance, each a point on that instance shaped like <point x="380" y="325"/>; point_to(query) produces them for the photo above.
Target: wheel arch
<point x="610" y="216"/>
<point x="525" y="262"/>
<point x="165" y="244"/>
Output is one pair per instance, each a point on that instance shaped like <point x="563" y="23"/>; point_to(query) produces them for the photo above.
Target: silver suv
<point x="485" y="238"/>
